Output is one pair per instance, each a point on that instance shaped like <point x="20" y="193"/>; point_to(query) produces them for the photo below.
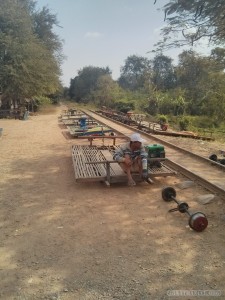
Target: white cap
<point x="135" y="137"/>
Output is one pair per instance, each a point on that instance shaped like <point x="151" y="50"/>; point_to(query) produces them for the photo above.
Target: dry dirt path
<point x="63" y="240"/>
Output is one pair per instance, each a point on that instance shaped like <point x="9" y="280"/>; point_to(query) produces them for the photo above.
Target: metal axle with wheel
<point x="197" y="220"/>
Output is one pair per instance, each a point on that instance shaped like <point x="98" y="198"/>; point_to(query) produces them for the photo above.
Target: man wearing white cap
<point x="130" y="156"/>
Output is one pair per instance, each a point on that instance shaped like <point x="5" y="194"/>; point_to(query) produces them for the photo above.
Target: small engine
<point x="155" y="152"/>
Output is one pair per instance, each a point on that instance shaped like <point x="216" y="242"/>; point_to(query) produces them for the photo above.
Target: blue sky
<point x="104" y="33"/>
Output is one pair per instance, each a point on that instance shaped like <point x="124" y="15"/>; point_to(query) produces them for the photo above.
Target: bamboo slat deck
<point x="93" y="164"/>
<point x="90" y="164"/>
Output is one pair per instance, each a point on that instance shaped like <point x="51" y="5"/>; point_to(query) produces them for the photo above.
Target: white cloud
<point x="93" y="35"/>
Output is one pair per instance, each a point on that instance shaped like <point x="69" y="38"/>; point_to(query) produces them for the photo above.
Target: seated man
<point x="131" y="155"/>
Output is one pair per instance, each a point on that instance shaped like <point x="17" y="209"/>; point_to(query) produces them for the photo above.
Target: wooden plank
<point x="103" y="137"/>
<point x="114" y="167"/>
<point x="90" y="138"/>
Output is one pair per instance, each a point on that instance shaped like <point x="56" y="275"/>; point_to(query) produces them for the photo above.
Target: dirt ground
<point x="64" y="240"/>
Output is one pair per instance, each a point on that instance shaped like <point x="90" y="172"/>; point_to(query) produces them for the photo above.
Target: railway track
<point x="203" y="171"/>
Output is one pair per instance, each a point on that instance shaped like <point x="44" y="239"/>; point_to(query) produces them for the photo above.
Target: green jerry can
<point x="155" y="151"/>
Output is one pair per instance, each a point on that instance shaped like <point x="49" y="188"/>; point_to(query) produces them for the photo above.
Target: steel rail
<point x="205" y="172"/>
<point x="198" y="179"/>
<point x="152" y="136"/>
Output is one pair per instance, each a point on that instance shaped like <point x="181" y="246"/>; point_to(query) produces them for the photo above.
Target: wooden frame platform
<point x="71" y="122"/>
<point x="90" y="138"/>
<point x="100" y="131"/>
<point x="74" y="118"/>
<point x="95" y="164"/>
<point x="75" y="130"/>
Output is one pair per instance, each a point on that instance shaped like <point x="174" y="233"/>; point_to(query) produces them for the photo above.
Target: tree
<point x="167" y="103"/>
<point x="27" y="67"/>
<point x="213" y="104"/>
<point x="192" y="76"/>
<point x="86" y="82"/>
<point x="202" y="78"/>
<point x="135" y="72"/>
<point x="163" y="73"/>
<point x="43" y="23"/>
<point x="28" y="70"/>
<point x="191" y="21"/>
<point x="107" y="91"/>
<point x="218" y="57"/>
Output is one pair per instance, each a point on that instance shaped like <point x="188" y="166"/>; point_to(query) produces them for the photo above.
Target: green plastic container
<point x="155" y="151"/>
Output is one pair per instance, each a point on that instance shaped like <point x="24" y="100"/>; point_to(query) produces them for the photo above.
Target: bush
<point x="184" y="122"/>
<point x="162" y="119"/>
<point x="124" y="107"/>
<point x="42" y="100"/>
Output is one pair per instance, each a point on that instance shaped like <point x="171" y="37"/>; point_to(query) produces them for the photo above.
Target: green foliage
<point x="192" y="72"/>
<point x="124" y="107"/>
<point x="86" y="82"/>
<point x="190" y="21"/>
<point x="164" y="77"/>
<point x="43" y="25"/>
<point x="166" y="103"/>
<point x="28" y="67"/>
<point x="42" y="100"/>
<point x="106" y="92"/>
<point x="198" y="90"/>
<point x="162" y="119"/>
<point x="135" y="73"/>
<point x="184" y="123"/>
<point x="218" y="57"/>
<point x="203" y="122"/>
<point x="213" y="102"/>
<point x="201" y="80"/>
<point x="201" y="125"/>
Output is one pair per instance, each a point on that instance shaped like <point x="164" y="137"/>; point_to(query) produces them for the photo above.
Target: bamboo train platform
<point x="74" y="118"/>
<point x="74" y="130"/>
<point x="71" y="122"/>
<point x="100" y="130"/>
<point x="96" y="164"/>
